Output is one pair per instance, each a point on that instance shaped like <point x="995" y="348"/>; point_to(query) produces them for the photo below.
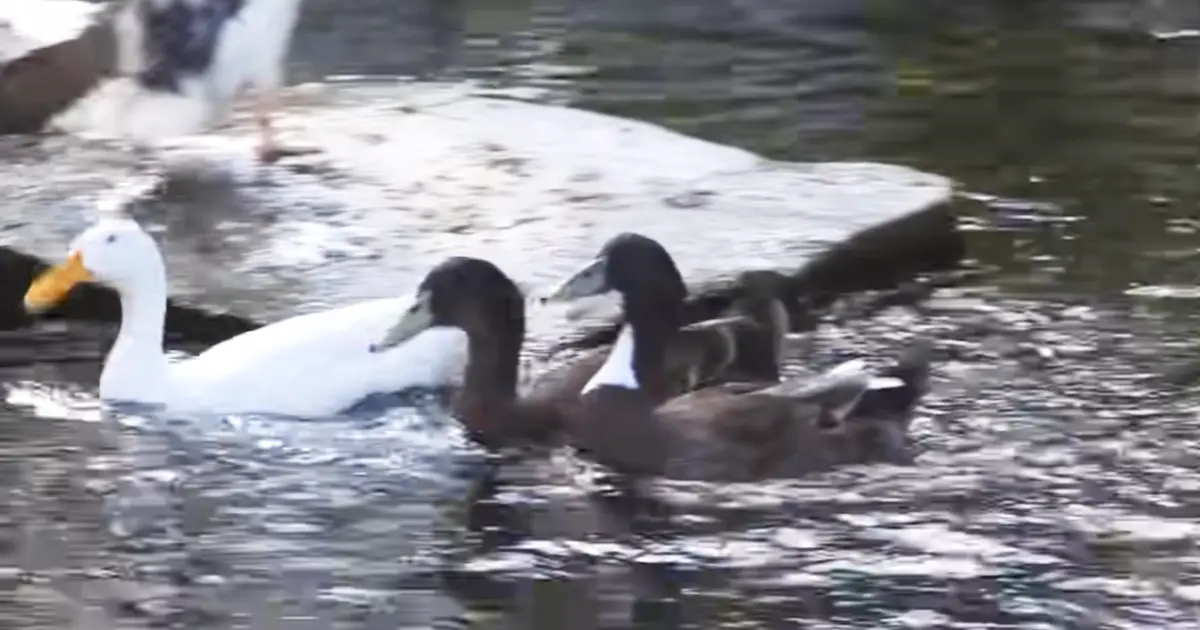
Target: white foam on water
<point x="48" y="402"/>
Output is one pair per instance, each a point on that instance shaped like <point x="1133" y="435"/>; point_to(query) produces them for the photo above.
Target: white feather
<point x="884" y="382"/>
<point x="848" y="368"/>
<point x="853" y="367"/>
<point x="617" y="370"/>
<point x="316" y="364"/>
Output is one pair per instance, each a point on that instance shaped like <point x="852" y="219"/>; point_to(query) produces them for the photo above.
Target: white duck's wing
<point x="317" y="364"/>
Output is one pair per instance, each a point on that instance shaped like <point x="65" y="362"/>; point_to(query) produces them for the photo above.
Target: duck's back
<point x="317" y="364"/>
<point x="693" y="357"/>
<point x="723" y="435"/>
<point x="709" y="434"/>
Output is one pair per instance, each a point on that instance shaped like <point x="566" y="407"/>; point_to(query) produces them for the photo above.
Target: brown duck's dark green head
<point x="653" y="296"/>
<point x="642" y="272"/>
<point x="470" y="294"/>
<point x="630" y="264"/>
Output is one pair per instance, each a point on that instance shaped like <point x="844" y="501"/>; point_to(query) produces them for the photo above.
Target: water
<point x="1057" y="485"/>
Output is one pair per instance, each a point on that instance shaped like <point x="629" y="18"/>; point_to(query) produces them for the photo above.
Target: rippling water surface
<point x="1059" y="480"/>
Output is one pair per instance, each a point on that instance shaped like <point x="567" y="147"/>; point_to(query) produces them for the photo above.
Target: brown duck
<point x="730" y="431"/>
<point x="743" y="344"/>
<point x="478" y="298"/>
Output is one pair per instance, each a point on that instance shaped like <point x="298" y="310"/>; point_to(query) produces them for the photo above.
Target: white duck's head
<point x="115" y="252"/>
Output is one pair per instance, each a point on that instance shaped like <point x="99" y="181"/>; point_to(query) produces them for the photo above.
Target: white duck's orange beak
<point x="52" y="286"/>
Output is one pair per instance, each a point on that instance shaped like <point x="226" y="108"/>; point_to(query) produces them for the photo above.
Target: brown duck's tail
<point x="46" y="81"/>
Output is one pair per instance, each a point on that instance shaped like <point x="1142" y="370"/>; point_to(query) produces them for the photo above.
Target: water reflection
<point x="1078" y="102"/>
<point x="1064" y="496"/>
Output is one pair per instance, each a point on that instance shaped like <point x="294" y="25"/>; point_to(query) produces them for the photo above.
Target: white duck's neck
<point x="136" y="368"/>
<point x="617" y="370"/>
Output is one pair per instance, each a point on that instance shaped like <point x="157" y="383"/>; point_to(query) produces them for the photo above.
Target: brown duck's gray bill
<point x="587" y="282"/>
<point x="416" y="319"/>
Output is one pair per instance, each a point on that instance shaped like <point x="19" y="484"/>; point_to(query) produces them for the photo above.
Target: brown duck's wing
<point x="738" y="409"/>
<point x="690" y="360"/>
<point x="706" y="300"/>
<point x="568" y="380"/>
<point x="45" y="81"/>
<point x="738" y="387"/>
<point x="757" y="352"/>
<point x="727" y="414"/>
<point x="731" y="348"/>
<point x="760" y="435"/>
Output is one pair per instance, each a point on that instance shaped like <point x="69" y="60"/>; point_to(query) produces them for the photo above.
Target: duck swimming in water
<point x="730" y="431"/>
<point x="177" y="66"/>
<point x="312" y="365"/>
<point x="743" y="344"/>
<point x="476" y="297"/>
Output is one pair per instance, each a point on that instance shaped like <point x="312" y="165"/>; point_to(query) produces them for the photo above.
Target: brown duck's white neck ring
<point x="617" y="370"/>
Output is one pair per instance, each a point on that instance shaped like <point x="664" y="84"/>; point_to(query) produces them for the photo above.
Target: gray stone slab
<point x="407" y="174"/>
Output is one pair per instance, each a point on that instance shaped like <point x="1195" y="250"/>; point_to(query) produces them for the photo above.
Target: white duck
<point x="309" y="366"/>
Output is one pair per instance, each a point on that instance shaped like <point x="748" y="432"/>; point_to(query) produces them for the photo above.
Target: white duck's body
<point x="310" y="365"/>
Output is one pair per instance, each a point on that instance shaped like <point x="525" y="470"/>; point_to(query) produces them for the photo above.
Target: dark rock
<point x="884" y="256"/>
<point x="96" y="303"/>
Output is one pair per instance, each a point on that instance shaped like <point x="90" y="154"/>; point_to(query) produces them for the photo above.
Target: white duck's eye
<point x="112" y="238"/>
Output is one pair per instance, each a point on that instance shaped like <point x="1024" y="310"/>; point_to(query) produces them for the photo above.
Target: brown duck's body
<point x="474" y="296"/>
<point x="720" y="433"/>
<point x="495" y="416"/>
<point x="488" y="406"/>
<point x="732" y="430"/>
